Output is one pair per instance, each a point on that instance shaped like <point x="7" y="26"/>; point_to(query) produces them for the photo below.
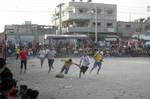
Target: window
<point x="83" y="10"/>
<point x="109" y="11"/>
<point x="98" y="23"/>
<point x="99" y="11"/>
<point x="81" y="23"/>
<point x="119" y="25"/>
<point x="93" y="23"/>
<point x="70" y="9"/>
<point x="128" y="26"/>
<point x="80" y="10"/>
<point x="109" y="25"/>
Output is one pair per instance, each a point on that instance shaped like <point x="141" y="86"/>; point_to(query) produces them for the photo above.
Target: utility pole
<point x="96" y="24"/>
<point x="60" y="17"/>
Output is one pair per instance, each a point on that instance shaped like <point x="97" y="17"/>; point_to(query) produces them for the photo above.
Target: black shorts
<point x="50" y="62"/>
<point x="83" y="69"/>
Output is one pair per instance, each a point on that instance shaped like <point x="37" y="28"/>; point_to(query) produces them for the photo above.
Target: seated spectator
<point x="7" y="83"/>
<point x="27" y="93"/>
<point x="4" y="71"/>
<point x="6" y="87"/>
<point x="34" y="94"/>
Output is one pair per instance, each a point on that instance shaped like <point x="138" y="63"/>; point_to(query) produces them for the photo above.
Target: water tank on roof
<point x="89" y="1"/>
<point x="28" y="22"/>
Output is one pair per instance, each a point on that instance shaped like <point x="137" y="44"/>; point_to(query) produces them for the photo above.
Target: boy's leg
<point x="66" y="70"/>
<point x="25" y="66"/>
<point x="81" y="70"/>
<point x="42" y="61"/>
<point x="95" y="64"/>
<point x="21" y="66"/>
<point x="62" y="69"/>
<point x="49" y="69"/>
<point x="85" y="69"/>
<point x="99" y="67"/>
<point x="50" y="62"/>
<point x="80" y="74"/>
<point x="17" y="55"/>
<point x="49" y="66"/>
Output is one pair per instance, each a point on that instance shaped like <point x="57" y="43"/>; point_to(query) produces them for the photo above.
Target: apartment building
<point x="28" y="32"/>
<point x="86" y="18"/>
<point x="147" y="25"/>
<point x="126" y="29"/>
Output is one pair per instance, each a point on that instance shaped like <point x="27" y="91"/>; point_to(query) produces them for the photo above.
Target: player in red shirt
<point x="23" y="57"/>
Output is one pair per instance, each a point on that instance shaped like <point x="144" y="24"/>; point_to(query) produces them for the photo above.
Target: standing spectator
<point x="42" y="54"/>
<point x="17" y="52"/>
<point x="23" y="57"/>
<point x="98" y="61"/>
<point x="84" y="63"/>
<point x="50" y="55"/>
<point x="30" y="52"/>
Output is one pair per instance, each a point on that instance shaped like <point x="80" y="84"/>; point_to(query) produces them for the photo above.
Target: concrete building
<point x="147" y="25"/>
<point x="126" y="29"/>
<point x="97" y="20"/>
<point x="140" y="26"/>
<point x="28" y="32"/>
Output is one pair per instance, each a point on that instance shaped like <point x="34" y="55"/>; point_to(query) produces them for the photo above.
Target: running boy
<point x="84" y="63"/>
<point x="98" y="57"/>
<point x="67" y="65"/>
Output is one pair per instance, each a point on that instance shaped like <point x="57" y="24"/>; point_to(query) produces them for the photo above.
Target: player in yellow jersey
<point x="98" y="57"/>
<point x="66" y="66"/>
<point x="17" y="52"/>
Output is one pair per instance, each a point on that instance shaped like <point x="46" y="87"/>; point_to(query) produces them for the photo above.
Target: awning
<point x="111" y="39"/>
<point x="53" y="36"/>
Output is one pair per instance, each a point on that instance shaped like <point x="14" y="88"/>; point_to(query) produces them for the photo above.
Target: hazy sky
<point x="39" y="11"/>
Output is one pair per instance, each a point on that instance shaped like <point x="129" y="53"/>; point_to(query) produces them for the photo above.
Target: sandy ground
<point x="120" y="78"/>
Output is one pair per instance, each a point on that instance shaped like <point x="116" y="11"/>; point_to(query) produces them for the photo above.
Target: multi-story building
<point x="147" y="25"/>
<point x="28" y="32"/>
<point x="94" y="19"/>
<point x="126" y="29"/>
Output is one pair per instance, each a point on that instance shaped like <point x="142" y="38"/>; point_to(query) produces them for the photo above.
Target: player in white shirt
<point x="50" y="56"/>
<point x="42" y="54"/>
<point x="84" y="63"/>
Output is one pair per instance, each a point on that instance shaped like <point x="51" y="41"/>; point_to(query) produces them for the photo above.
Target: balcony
<point x="111" y="30"/>
<point x="75" y="16"/>
<point x="86" y="16"/>
<point x="76" y="29"/>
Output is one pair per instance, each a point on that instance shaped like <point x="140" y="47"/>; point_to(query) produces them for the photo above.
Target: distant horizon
<point x="40" y="12"/>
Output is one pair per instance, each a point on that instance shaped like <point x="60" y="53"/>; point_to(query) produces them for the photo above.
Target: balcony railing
<point x="87" y="16"/>
<point x="77" y="16"/>
<point x="76" y="29"/>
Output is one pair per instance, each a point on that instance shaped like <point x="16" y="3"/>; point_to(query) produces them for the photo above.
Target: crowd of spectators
<point x="65" y="48"/>
<point x="9" y="88"/>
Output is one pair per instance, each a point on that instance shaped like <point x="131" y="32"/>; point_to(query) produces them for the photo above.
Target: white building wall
<point x="72" y="12"/>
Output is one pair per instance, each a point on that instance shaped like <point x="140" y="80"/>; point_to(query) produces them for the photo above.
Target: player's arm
<point x="81" y="60"/>
<point x="62" y="60"/>
<point x="76" y="64"/>
<point x="102" y="58"/>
